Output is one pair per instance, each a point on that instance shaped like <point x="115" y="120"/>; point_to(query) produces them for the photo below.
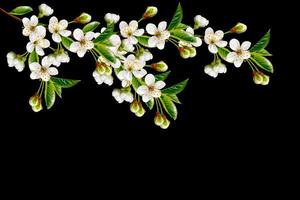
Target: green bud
<point x="193" y="52"/>
<point x="150" y="12"/>
<point x="266" y="80"/>
<point x="101" y="69"/>
<point x="258" y="78"/>
<point x="108" y="70"/>
<point x="160" y="66"/>
<point x="84" y="18"/>
<point x="134" y="106"/>
<point x="38" y="107"/>
<point x="184" y="53"/>
<point x="34" y="100"/>
<point x="158" y="119"/>
<point x="166" y="123"/>
<point x="239" y="28"/>
<point x="140" y="112"/>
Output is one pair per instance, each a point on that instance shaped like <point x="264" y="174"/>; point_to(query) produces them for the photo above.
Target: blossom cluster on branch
<point x="122" y="52"/>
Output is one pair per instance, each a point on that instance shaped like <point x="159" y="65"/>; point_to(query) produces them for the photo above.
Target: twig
<point x="10" y="15"/>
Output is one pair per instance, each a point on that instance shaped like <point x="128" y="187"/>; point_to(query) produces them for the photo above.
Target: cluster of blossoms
<point x="126" y="56"/>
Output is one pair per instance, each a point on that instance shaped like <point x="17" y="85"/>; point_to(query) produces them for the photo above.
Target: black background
<point x="227" y="112"/>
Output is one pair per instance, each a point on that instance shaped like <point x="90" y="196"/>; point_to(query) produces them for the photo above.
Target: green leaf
<point x="262" y="43"/>
<point x="183" y="36"/>
<point x="109" y="31"/>
<point x="143" y="40"/>
<point x="162" y="76"/>
<point x="150" y="104"/>
<point x="174" y="98"/>
<point x="58" y="90"/>
<point x="177" y="18"/>
<point x="105" y="52"/>
<point x="66" y="41"/>
<point x="90" y="26"/>
<point x="169" y="106"/>
<point x="33" y="57"/>
<point x="264" y="53"/>
<point x="135" y="83"/>
<point x="223" y="52"/>
<point x="64" y="83"/>
<point x="49" y="94"/>
<point x="177" y="88"/>
<point x="107" y="43"/>
<point x="21" y="10"/>
<point x="182" y="26"/>
<point x="263" y="63"/>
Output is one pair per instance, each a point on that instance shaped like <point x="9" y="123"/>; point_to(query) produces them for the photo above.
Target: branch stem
<point x="10" y="15"/>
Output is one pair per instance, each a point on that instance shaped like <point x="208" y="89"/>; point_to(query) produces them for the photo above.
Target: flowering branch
<point x="10" y="15"/>
<point x="125" y="56"/>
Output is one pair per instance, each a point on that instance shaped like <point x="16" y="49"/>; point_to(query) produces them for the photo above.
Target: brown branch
<point x="10" y="15"/>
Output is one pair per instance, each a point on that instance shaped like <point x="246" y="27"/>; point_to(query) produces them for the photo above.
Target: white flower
<point x="134" y="66"/>
<point x="200" y="22"/>
<point x="160" y="34"/>
<point x="103" y="78"/>
<point x="145" y="55"/>
<point x="121" y="96"/>
<point x="32" y="29"/>
<point x="38" y="45"/>
<point x="45" y="10"/>
<point x="43" y="71"/>
<point x="58" y="29"/>
<point x="240" y="53"/>
<point x="84" y="42"/>
<point x="131" y="31"/>
<point x="16" y="61"/>
<point x="198" y="42"/>
<point x="214" y="40"/>
<point x="59" y="57"/>
<point x="214" y="69"/>
<point x="127" y="45"/>
<point x="151" y="89"/>
<point x="111" y="18"/>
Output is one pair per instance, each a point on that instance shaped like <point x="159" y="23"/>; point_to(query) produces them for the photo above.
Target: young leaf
<point x="107" y="43"/>
<point x="262" y="43"/>
<point x="33" y="57"/>
<point x="66" y="41"/>
<point x="162" y="76"/>
<point x="183" y="35"/>
<point x="90" y="26"/>
<point x="150" y="104"/>
<point x="21" y="10"/>
<point x="174" y="98"/>
<point x="105" y="52"/>
<point x="182" y="26"/>
<point x="169" y="106"/>
<point x="49" y="94"/>
<point x="264" y="53"/>
<point x="64" y="83"/>
<point x="262" y="62"/>
<point x="177" y="18"/>
<point x="143" y="40"/>
<point x="135" y="83"/>
<point x="176" y="89"/>
<point x="58" y="90"/>
<point x="109" y="31"/>
<point x="223" y="52"/>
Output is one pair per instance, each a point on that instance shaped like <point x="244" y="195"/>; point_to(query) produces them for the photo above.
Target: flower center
<point x="82" y="42"/>
<point x="239" y="52"/>
<point x="158" y="34"/>
<point x="32" y="28"/>
<point x="44" y="70"/>
<point x="151" y="88"/>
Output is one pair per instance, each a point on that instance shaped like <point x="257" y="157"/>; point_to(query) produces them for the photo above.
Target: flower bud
<point x="84" y="18"/>
<point x="166" y="123"/>
<point x="193" y="52"/>
<point x="160" y="66"/>
<point x="258" y="78"/>
<point x="200" y="22"/>
<point x="38" y="107"/>
<point x="101" y="69"/>
<point x="134" y="106"/>
<point x="150" y="12"/>
<point x="158" y="119"/>
<point x="45" y="10"/>
<point x="184" y="53"/>
<point x="108" y="70"/>
<point x="111" y="18"/>
<point x="239" y="28"/>
<point x="266" y="80"/>
<point x="140" y="112"/>
<point x="34" y="100"/>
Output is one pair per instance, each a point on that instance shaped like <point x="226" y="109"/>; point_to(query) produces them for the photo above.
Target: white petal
<point x="221" y="43"/>
<point x="209" y="31"/>
<point x="115" y="40"/>
<point x="139" y="73"/>
<point x="152" y="42"/>
<point x="123" y="25"/>
<point x="213" y="48"/>
<point x="56" y="38"/>
<point x="34" y="20"/>
<point x="45" y="76"/>
<point x="52" y="71"/>
<point x="139" y="32"/>
<point x="219" y="35"/>
<point x="39" y="51"/>
<point x="160" y="84"/>
<point x="198" y="42"/>
<point x="147" y="97"/>
<point x="89" y="45"/>
<point x="161" y="44"/>
<point x="78" y="34"/>
<point x="30" y="47"/>
<point x="20" y="66"/>
<point x="231" y="57"/>
<point x="151" y="29"/>
<point x="150" y="79"/>
<point x="142" y="90"/>
<point x="65" y="33"/>
<point x="134" y="25"/>
<point x="74" y="47"/>
<point x="25" y="21"/>
<point x="26" y="31"/>
<point x="89" y="35"/>
<point x="46" y="61"/>
<point x="133" y="40"/>
<point x="162" y="26"/>
<point x="81" y="52"/>
<point x="246" y="45"/>
<point x="234" y="44"/>
<point x="190" y="30"/>
<point x="44" y="43"/>
<point x="63" y="24"/>
<point x="35" y="66"/>
<point x="53" y="21"/>
<point x="238" y="62"/>
<point x="35" y="75"/>
<point x="246" y="55"/>
<point x="117" y="64"/>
